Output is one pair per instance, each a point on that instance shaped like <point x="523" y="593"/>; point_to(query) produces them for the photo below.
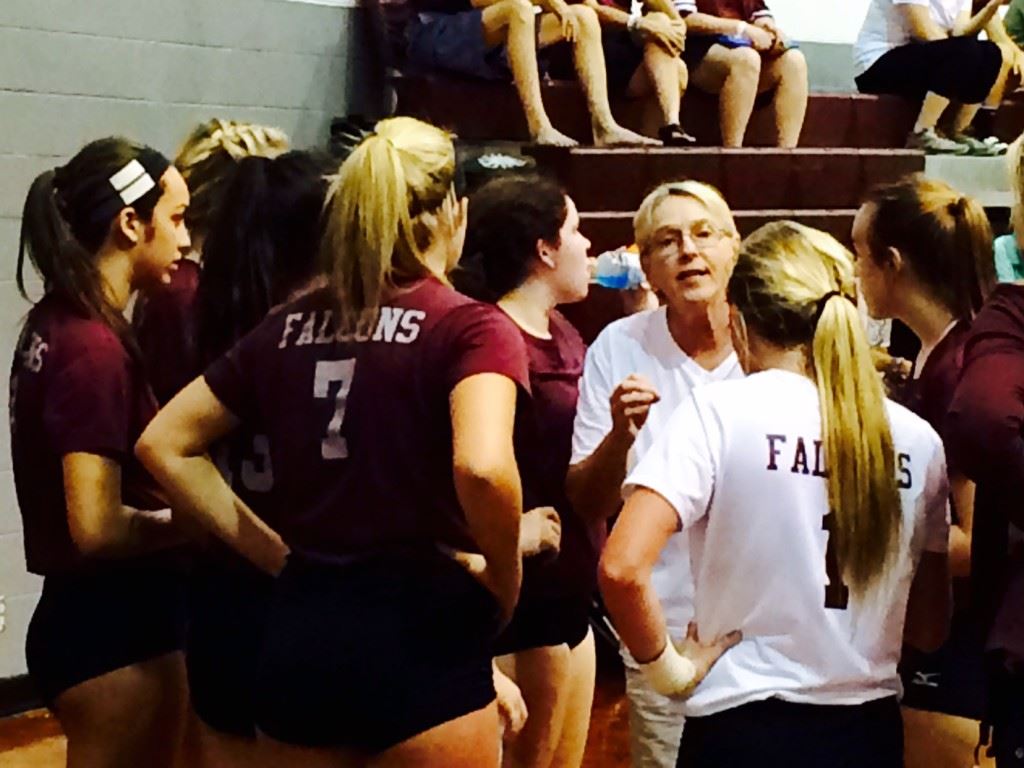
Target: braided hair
<point x="209" y="156"/>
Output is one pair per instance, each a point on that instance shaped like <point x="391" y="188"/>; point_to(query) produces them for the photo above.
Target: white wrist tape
<point x="670" y="674"/>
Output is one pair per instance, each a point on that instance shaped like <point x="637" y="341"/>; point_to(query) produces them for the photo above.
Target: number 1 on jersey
<point x="328" y="372"/>
<point x="836" y="593"/>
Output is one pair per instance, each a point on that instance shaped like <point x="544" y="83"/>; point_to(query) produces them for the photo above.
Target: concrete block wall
<point x="72" y="71"/>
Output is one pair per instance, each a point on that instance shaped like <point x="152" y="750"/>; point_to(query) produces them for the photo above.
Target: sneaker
<point x="990" y="147"/>
<point x="932" y="144"/>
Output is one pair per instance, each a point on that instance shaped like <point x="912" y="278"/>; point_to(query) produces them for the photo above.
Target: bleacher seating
<point x="850" y="142"/>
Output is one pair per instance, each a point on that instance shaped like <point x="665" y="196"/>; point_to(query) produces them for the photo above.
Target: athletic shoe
<point x="990" y="147"/>
<point x="932" y="144"/>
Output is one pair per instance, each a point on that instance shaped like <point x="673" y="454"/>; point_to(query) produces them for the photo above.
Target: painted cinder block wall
<point x="72" y="71"/>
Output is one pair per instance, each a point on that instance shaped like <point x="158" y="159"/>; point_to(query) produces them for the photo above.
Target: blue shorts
<point x="454" y="43"/>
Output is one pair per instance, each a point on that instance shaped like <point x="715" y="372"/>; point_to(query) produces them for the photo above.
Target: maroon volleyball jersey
<point x="543" y="447"/>
<point x="74" y="389"/>
<point x="930" y="392"/>
<point x="359" y="431"/>
<point x="165" y="321"/>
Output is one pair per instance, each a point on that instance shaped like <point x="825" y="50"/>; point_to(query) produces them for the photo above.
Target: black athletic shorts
<point x="367" y="656"/>
<point x="778" y="734"/>
<point x="227" y="610"/>
<point x="697" y="47"/>
<point x="542" y="623"/>
<point x="953" y="679"/>
<point x="962" y="69"/>
<point x="93" y="622"/>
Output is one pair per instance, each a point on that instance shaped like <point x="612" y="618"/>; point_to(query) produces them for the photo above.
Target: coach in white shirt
<point x="637" y="371"/>
<point x="818" y="522"/>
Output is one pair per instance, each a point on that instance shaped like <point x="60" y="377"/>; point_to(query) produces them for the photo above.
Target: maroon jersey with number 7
<point x="360" y="431"/>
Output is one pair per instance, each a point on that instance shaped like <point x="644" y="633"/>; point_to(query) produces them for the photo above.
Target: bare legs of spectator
<point x="787" y="76"/>
<point x="737" y="75"/>
<point x="966" y="114"/>
<point x="931" y="110"/>
<point x="666" y="76"/>
<point x="513" y="23"/>
<point x="734" y="74"/>
<point x="589" y="58"/>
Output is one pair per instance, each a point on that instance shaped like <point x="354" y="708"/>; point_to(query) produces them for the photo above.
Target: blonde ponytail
<point x="794" y="286"/>
<point x="374" y="236"/>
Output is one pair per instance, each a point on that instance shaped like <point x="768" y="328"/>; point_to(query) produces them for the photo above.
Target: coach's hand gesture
<point x="631" y="402"/>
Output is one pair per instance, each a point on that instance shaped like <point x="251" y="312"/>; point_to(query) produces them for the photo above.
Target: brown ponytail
<point x="945" y="236"/>
<point x="67" y="218"/>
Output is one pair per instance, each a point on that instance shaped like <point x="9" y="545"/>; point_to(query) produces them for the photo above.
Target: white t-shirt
<point x="740" y="464"/>
<point x="642" y="344"/>
<point x="885" y="28"/>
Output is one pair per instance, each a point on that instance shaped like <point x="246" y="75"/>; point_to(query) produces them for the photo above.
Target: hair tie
<point x="823" y="302"/>
<point x="958" y="207"/>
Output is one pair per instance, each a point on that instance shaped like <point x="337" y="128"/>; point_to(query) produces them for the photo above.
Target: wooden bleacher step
<point x="750" y="179"/>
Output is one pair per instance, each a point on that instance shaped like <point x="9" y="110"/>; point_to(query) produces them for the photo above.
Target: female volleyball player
<point x="260" y="247"/>
<point x="388" y="400"/>
<point x="524" y="251"/>
<point x="815" y="510"/>
<point x="925" y="257"/>
<point x="164" y="319"/>
<point x="104" y="642"/>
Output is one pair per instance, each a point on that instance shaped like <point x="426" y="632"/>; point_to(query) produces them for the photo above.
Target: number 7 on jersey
<point x="328" y="372"/>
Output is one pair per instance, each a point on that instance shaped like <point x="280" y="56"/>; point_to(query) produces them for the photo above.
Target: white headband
<point x="132" y="182"/>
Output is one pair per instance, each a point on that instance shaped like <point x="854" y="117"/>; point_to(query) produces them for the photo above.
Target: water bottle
<point x="619" y="270"/>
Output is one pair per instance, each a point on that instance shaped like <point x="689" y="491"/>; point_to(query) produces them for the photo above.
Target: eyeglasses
<point x="668" y="241"/>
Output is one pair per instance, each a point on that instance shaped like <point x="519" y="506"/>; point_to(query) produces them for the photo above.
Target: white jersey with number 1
<point x="742" y="464"/>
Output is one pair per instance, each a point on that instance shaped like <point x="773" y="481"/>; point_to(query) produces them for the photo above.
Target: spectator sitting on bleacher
<point x="927" y="49"/>
<point x="498" y="40"/>
<point x="642" y="56"/>
<point x="1010" y="75"/>
<point x="735" y="49"/>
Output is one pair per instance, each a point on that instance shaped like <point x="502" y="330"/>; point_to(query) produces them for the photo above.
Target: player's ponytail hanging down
<point x="374" y="235"/>
<point x="794" y="286"/>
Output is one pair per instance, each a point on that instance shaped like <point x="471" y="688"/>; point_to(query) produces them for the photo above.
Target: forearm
<point x="594" y="485"/>
<point x="635" y="611"/>
<point x="557" y="7"/>
<point x="493" y="509"/>
<point x="929" y="606"/>
<point x="609" y="15"/>
<point x="997" y="33"/>
<point x="979" y="21"/>
<point x="705" y="24"/>
<point x="197" y="489"/>
<point x="664" y="6"/>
